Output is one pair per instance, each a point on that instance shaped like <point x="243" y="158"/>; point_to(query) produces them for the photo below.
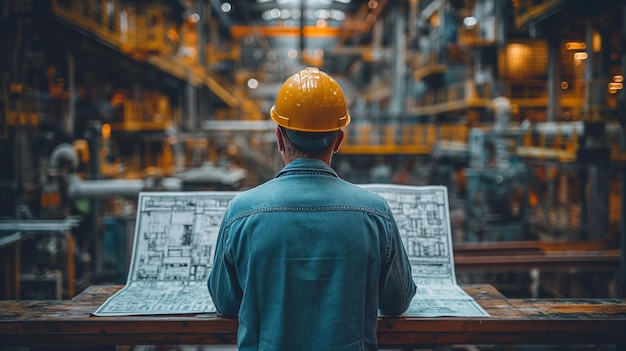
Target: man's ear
<point x="338" y="141"/>
<point x="279" y="140"/>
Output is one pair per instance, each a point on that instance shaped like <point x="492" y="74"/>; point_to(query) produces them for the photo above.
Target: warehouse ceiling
<point x="284" y="12"/>
<point x="271" y="32"/>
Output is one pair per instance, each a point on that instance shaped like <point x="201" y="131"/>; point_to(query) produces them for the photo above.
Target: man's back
<point x="308" y="256"/>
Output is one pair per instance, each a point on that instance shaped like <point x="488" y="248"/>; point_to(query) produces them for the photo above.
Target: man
<point x="307" y="260"/>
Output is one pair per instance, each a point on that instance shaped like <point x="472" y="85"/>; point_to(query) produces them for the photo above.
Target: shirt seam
<point x="305" y="209"/>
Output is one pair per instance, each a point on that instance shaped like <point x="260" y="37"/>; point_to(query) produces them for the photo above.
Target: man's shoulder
<point x="253" y="195"/>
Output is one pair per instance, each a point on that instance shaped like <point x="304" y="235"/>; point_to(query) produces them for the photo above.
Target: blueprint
<point x="422" y="214"/>
<point x="175" y="238"/>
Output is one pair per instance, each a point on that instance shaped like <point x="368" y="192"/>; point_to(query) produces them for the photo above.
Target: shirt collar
<point x="307" y="165"/>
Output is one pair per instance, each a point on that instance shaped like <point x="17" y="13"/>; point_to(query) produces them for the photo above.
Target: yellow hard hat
<point x="311" y="101"/>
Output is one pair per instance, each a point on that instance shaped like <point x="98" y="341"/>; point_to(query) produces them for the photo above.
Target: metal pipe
<point x="78" y="188"/>
<point x="63" y="153"/>
<point x="568" y="128"/>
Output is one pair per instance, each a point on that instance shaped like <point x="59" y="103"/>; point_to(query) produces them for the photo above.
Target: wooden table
<point x="512" y="321"/>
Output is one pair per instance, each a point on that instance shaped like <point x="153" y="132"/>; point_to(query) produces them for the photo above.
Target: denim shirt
<point x="307" y="261"/>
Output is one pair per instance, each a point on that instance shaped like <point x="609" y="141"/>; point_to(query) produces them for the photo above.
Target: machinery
<point x="102" y="99"/>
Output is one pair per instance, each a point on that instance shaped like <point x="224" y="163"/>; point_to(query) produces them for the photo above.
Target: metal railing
<point x="121" y="26"/>
<point x="389" y="138"/>
<point x="553" y="140"/>
<point x="142" y="34"/>
<point x="528" y="10"/>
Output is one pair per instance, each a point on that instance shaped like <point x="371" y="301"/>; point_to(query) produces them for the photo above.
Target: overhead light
<point x="286" y="14"/>
<point x="470" y="21"/>
<point x="575" y="45"/>
<point x="322" y="13"/>
<point x="194" y="17"/>
<point x="616" y="86"/>
<point x="581" y="55"/>
<point x="227" y="7"/>
<point x="337" y="15"/>
<point x="253" y="83"/>
<point x="309" y="2"/>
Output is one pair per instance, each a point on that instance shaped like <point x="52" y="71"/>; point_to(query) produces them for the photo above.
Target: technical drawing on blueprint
<point x="175" y="240"/>
<point x="422" y="214"/>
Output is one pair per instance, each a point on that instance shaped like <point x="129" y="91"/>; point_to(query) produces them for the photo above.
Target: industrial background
<point x="516" y="106"/>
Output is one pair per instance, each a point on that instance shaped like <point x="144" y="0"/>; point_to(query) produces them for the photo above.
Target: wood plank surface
<point x="512" y="321"/>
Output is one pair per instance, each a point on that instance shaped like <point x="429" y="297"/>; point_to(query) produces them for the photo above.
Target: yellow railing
<point x="152" y="113"/>
<point x="141" y="33"/>
<point x="426" y="64"/>
<point x="390" y="138"/>
<point x="20" y="108"/>
<point x="121" y="26"/>
<point x="461" y="95"/>
<point x="457" y="132"/>
<point x="560" y="144"/>
<point x="528" y="10"/>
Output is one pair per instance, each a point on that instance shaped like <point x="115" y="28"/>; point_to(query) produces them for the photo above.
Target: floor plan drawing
<point x="423" y="221"/>
<point x="175" y="240"/>
<point x="172" y="256"/>
<point x="423" y="218"/>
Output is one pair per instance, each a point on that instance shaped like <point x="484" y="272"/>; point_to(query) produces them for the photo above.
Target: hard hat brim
<point x="284" y="121"/>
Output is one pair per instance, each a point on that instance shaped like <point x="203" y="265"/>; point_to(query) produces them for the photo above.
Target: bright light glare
<point x="227" y="7"/>
<point x="616" y="86"/>
<point x="575" y="45"/>
<point x="322" y="13"/>
<point x="581" y="55"/>
<point x="470" y="22"/>
<point x="253" y="83"/>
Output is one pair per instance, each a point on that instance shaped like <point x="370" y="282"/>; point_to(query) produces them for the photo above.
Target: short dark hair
<point x="299" y="151"/>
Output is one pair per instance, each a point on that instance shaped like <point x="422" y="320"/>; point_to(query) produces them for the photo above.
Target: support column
<point x="554" y="80"/>
<point x="71" y="113"/>
<point x="399" y="70"/>
<point x="622" y="112"/>
<point x="588" y="71"/>
<point x="190" y="97"/>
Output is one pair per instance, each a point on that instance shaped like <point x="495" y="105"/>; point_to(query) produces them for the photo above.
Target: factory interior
<point x="516" y="106"/>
